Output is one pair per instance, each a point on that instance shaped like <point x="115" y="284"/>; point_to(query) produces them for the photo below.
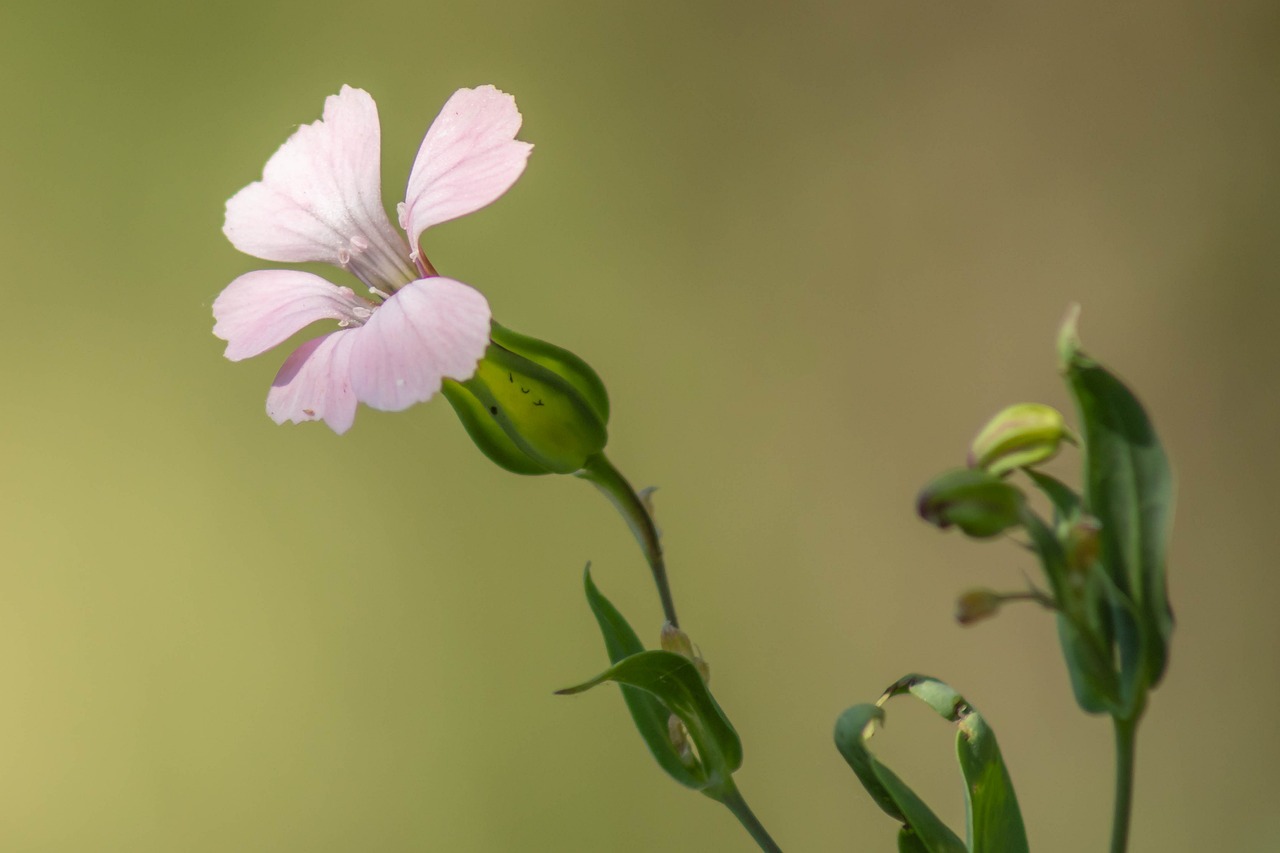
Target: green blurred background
<point x="810" y="246"/>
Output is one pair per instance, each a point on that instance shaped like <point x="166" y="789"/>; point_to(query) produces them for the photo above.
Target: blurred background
<point x="810" y="246"/>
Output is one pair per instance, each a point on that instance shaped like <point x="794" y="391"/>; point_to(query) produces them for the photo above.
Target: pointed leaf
<point x="648" y="713"/>
<point x="674" y="679"/>
<point x="1129" y="488"/>
<point x="1066" y="503"/>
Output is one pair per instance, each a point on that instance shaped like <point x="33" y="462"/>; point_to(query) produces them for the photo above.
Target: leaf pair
<point x="657" y="684"/>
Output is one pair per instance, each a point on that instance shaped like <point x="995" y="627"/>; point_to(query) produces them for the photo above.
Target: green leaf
<point x="674" y="679"/>
<point x="994" y="819"/>
<point x="1129" y="489"/>
<point x="648" y="713"/>
<point x="922" y="829"/>
<point x="1066" y="503"/>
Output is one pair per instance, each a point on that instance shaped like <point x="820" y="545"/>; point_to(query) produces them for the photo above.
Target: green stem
<point x="732" y="798"/>
<point x="608" y="479"/>
<point x="1126" y="738"/>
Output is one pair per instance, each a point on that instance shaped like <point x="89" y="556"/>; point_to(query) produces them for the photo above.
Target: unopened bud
<point x="1018" y="437"/>
<point x="976" y="605"/>
<point x="1083" y="539"/>
<point x="981" y="504"/>
<point x="674" y="640"/>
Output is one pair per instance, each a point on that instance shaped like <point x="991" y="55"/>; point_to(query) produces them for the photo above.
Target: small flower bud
<point x="1082" y="543"/>
<point x="1018" y="437"/>
<point x="976" y="605"/>
<point x="674" y="640"/>
<point x="534" y="411"/>
<point x="980" y="504"/>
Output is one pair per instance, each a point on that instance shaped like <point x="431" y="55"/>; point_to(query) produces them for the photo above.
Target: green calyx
<point x="979" y="503"/>
<point x="532" y="407"/>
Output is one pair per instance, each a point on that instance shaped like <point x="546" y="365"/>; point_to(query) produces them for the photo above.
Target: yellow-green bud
<point x="1018" y="437"/>
<point x="980" y="504"/>
<point x="535" y="411"/>
<point x="976" y="605"/>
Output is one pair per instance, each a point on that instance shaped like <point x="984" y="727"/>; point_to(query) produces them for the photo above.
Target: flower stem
<point x="729" y="794"/>
<point x="1126" y="737"/>
<point x="600" y="471"/>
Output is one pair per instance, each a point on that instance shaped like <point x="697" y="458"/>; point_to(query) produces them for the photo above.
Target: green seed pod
<point x="981" y="504"/>
<point x="1020" y="436"/>
<point x="532" y="416"/>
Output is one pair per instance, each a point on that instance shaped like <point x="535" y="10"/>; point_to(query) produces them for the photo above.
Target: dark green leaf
<point x="648" y="713"/>
<point x="1129" y="489"/>
<point x="922" y="829"/>
<point x="674" y="679"/>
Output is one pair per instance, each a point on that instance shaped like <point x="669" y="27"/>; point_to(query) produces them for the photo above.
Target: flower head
<point x="320" y="199"/>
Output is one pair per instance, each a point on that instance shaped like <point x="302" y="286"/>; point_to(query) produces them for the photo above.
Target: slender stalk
<point x="1126" y="740"/>
<point x="732" y="798"/>
<point x="600" y="471"/>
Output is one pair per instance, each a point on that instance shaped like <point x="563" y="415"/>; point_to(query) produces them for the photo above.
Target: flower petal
<point x="430" y="329"/>
<point x="469" y="158"/>
<point x="320" y="191"/>
<point x="314" y="383"/>
<point x="262" y="309"/>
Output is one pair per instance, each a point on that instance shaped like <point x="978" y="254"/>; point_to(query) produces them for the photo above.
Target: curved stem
<point x="608" y="479"/>
<point x="1126" y="740"/>
<point x="732" y="798"/>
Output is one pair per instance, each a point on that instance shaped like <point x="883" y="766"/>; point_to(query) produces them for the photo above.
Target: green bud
<point x="981" y="504"/>
<point x="976" y="605"/>
<point x="538" y="411"/>
<point x="1018" y="437"/>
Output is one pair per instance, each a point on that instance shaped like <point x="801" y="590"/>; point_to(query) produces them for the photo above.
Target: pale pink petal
<point x="469" y="158"/>
<point x="315" y="384"/>
<point x="430" y="329"/>
<point x="262" y="309"/>
<point x="320" y="192"/>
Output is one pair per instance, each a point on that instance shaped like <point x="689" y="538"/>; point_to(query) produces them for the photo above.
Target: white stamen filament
<point x="382" y="270"/>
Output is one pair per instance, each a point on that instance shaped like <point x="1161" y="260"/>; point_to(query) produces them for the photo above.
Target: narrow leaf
<point x="648" y="713"/>
<point x="674" y="680"/>
<point x="1066" y="503"/>
<point x="922" y="830"/>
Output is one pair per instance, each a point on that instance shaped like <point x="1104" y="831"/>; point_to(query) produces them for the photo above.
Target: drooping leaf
<point x="647" y="711"/>
<point x="922" y="830"/>
<point x="675" y="680"/>
<point x="994" y="819"/>
<point x="1129" y="489"/>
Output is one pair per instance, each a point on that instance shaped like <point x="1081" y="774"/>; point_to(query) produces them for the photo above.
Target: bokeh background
<point x="810" y="246"/>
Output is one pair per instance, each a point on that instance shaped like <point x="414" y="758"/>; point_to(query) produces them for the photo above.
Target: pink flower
<point x="320" y="199"/>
